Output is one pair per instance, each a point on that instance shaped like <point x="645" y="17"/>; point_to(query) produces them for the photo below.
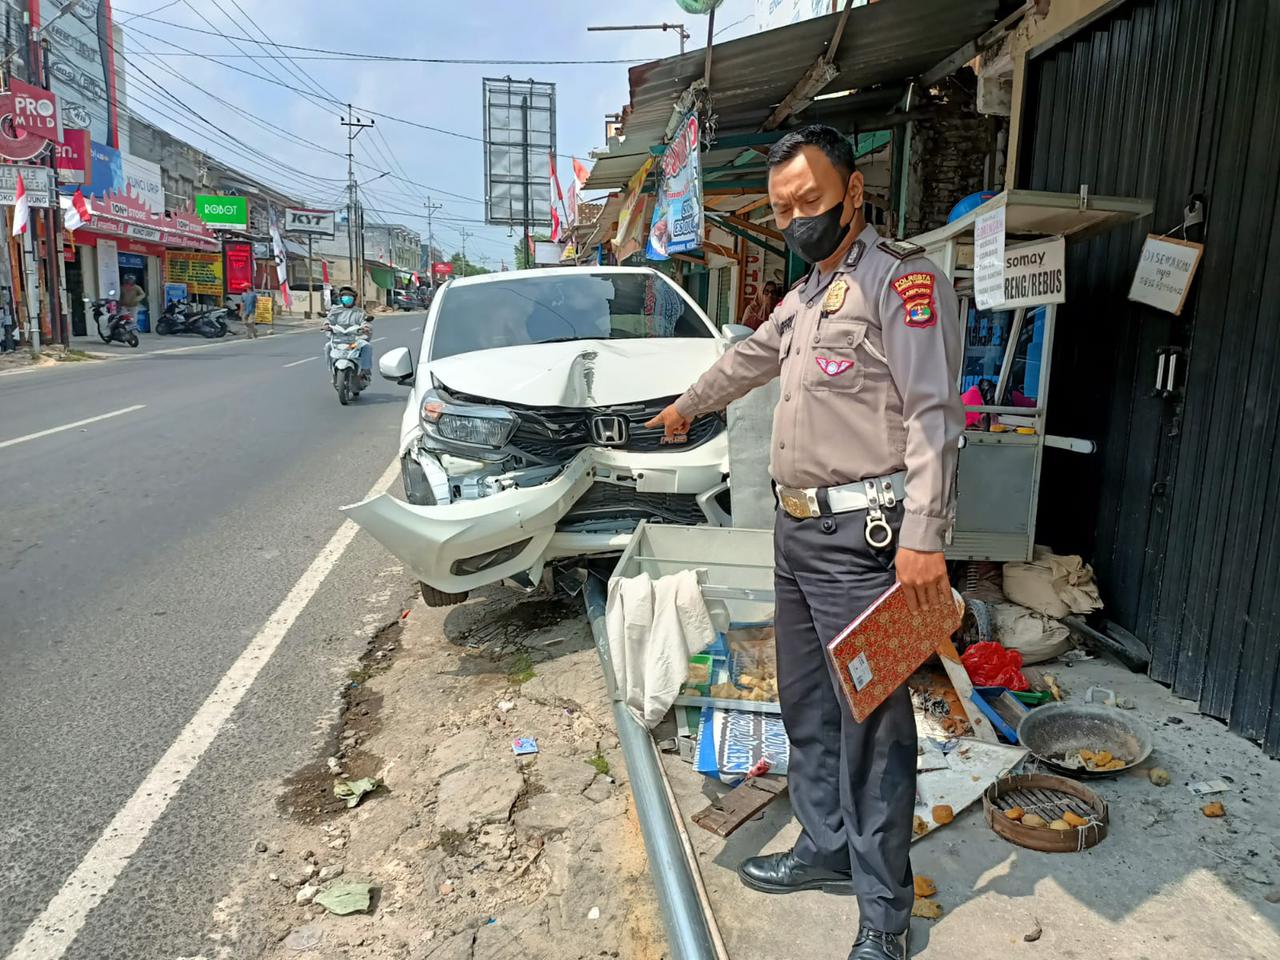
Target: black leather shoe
<point x="783" y="873"/>
<point x="878" y="945"/>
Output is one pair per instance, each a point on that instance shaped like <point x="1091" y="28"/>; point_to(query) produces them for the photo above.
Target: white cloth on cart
<point x="654" y="627"/>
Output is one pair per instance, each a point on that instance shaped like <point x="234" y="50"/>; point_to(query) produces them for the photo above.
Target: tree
<point x="524" y="259"/>
<point x="462" y="267"/>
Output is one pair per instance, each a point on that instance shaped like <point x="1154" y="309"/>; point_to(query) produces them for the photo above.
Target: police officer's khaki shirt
<point x="869" y="357"/>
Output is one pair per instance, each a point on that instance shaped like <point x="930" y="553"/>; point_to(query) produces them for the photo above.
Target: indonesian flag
<point x="21" y="209"/>
<point x="580" y="174"/>
<point x="282" y="261"/>
<point x="416" y="281"/>
<point x="557" y="201"/>
<point x="326" y="288"/>
<point x="75" y="211"/>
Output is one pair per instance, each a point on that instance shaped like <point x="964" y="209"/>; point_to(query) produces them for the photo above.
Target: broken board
<point x="740" y="804"/>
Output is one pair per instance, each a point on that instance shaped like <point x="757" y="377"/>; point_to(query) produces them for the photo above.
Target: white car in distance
<point x="523" y="442"/>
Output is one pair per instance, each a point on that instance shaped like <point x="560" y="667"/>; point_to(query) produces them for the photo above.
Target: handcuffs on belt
<point x="876" y="523"/>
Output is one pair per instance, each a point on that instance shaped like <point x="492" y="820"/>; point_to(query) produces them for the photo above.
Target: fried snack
<point x="925" y="887"/>
<point x="1158" y="776"/>
<point x="1015" y="813"/>
<point x="1214" y="809"/>
<point x="1075" y="819"/>
<point x="919" y="826"/>
<point x="942" y="814"/>
<point x="1034" y="820"/>
<point x="1060" y="825"/>
<point x="926" y="909"/>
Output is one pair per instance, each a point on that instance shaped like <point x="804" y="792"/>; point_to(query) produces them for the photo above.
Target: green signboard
<point x="230" y="212"/>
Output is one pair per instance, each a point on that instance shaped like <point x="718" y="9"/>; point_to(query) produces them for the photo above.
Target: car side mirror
<point x="736" y="332"/>
<point x="397" y="365"/>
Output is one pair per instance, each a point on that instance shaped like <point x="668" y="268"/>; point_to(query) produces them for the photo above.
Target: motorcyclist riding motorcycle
<point x="345" y="313"/>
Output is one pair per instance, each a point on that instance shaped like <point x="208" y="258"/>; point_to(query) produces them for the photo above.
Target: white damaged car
<point x="523" y="444"/>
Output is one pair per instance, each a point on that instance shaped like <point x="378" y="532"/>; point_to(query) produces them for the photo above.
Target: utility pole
<point x="354" y="127"/>
<point x="464" y="233"/>
<point x="431" y="240"/>
<point x="664" y="27"/>
<point x="528" y="180"/>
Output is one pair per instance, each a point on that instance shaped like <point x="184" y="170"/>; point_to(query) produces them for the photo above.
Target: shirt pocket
<point x="836" y="361"/>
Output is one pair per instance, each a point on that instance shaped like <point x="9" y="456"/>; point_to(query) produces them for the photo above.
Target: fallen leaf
<point x="926" y="909"/>
<point x="353" y="791"/>
<point x="346" y="896"/>
<point x="925" y="887"/>
<point x="1214" y="809"/>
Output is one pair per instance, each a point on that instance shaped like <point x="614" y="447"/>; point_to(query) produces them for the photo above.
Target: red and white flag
<point x="282" y="261"/>
<point x="21" y="209"/>
<point x="557" y="202"/>
<point x="580" y="174"/>
<point x="326" y="288"/>
<point x="75" y="211"/>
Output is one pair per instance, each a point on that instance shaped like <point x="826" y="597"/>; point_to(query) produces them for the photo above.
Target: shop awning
<point x="883" y="43"/>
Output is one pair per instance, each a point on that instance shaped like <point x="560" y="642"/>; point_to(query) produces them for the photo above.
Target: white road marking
<point x="70" y="426"/>
<point x="414" y="329"/>
<point x="379" y="340"/>
<point x="296" y="362"/>
<point x="53" y="931"/>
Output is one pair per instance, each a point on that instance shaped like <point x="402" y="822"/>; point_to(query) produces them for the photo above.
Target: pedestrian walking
<point x="6" y="324"/>
<point x="249" y="311"/>
<point x="864" y="450"/>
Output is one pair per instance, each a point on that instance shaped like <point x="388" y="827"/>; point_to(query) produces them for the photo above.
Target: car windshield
<point x="558" y="307"/>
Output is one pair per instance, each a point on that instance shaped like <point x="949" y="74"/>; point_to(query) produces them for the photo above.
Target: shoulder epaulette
<point x="901" y="249"/>
<point x="803" y="278"/>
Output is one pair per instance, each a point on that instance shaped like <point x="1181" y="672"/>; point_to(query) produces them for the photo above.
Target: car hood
<point x="580" y="373"/>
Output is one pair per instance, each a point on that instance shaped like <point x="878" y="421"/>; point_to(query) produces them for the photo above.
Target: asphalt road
<point x="140" y="554"/>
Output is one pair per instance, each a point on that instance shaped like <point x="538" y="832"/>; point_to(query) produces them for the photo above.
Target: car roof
<point x="507" y="276"/>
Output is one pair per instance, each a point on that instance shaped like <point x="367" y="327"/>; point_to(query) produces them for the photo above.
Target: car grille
<point x="612" y="503"/>
<point x="554" y="434"/>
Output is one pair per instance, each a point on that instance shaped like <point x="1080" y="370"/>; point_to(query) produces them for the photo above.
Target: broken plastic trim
<point x="483" y="561"/>
<point x="688" y="933"/>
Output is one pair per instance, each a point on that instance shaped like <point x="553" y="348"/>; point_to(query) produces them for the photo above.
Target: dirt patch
<point x="501" y="627"/>
<point x="308" y="796"/>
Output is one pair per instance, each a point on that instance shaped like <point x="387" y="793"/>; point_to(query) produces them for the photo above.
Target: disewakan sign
<point x="316" y="223"/>
<point x="218" y="211"/>
<point x="1166" y="268"/>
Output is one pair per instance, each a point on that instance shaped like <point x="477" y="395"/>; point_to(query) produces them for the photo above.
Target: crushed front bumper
<point x="436" y="542"/>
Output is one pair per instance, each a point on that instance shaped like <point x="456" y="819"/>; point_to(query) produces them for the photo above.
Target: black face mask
<point x="813" y="239"/>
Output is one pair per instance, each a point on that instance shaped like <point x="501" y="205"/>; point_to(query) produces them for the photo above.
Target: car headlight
<point x="467" y="423"/>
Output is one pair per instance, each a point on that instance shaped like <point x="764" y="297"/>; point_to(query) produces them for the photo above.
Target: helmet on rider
<point x="347" y="296"/>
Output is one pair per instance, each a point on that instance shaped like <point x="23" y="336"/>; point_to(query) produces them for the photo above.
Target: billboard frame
<point x="506" y="193"/>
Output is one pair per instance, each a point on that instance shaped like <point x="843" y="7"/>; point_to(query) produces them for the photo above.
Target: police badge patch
<point x="916" y="291"/>
<point x="834" y="299"/>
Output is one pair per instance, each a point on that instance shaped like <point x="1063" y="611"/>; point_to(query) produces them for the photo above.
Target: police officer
<point x="864" y="449"/>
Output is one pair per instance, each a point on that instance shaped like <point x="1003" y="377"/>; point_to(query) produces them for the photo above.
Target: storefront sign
<point x="71" y="157"/>
<point x="106" y="170"/>
<point x="988" y="258"/>
<point x="142" y="180"/>
<point x="33" y="110"/>
<point x="108" y="268"/>
<point x="174" y="292"/>
<point x="317" y="223"/>
<point x="263" y="311"/>
<point x="229" y="212"/>
<point x="239" y="269"/>
<point x="630" y="217"/>
<point x="36" y="181"/>
<point x="677" y="216"/>
<point x="442" y="269"/>
<point x="1035" y="273"/>
<point x="1166" y="268"/>
<point x="201" y="272"/>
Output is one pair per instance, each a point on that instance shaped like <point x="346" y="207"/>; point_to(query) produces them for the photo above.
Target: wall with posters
<point x="201" y="272"/>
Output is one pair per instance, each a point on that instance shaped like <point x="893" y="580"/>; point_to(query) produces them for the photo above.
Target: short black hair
<point x="829" y="140"/>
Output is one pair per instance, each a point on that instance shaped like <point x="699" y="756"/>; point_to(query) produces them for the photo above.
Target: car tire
<point x="438" y="598"/>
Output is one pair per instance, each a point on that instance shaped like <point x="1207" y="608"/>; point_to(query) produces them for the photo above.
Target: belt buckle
<point x="878" y="533"/>
<point x="799" y="507"/>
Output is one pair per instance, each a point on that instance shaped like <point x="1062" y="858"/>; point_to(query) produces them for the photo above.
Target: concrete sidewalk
<point x="1166" y="883"/>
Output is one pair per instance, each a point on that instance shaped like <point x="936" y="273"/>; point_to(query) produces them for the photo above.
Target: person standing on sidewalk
<point x="249" y="310"/>
<point x="864" y="451"/>
<point x="6" y="323"/>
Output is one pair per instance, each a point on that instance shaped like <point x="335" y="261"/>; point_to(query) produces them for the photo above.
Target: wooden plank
<point x="959" y="677"/>
<point x="725" y="815"/>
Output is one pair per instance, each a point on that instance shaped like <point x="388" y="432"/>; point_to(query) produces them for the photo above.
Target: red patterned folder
<point x="884" y="645"/>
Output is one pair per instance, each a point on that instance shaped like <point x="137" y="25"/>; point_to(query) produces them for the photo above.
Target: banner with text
<point x="239" y="265"/>
<point x="1035" y="273"/>
<point x="316" y="223"/>
<point x="201" y="272"/>
<point x="677" y="216"/>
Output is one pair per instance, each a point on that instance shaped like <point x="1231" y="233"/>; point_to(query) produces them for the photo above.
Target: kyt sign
<point x="231" y="213"/>
<point x="316" y="223"/>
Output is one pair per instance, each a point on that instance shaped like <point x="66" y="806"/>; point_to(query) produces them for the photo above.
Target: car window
<point x="557" y="307"/>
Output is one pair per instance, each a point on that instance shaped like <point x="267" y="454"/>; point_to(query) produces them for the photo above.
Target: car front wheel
<point x="438" y="598"/>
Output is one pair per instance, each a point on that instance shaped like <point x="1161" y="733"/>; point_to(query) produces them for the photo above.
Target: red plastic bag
<point x="991" y="665"/>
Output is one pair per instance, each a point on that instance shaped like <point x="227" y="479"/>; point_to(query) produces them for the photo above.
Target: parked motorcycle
<point x="343" y="350"/>
<point x="180" y="317"/>
<point x="119" y="326"/>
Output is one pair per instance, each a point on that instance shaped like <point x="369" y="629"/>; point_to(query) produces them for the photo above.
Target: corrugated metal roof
<point x="883" y="42"/>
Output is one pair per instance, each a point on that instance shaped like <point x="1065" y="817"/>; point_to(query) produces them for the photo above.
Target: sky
<point x="303" y="147"/>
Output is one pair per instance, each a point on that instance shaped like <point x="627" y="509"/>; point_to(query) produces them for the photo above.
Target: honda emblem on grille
<point x="610" y="431"/>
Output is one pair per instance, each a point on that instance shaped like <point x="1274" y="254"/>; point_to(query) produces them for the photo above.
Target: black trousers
<point x="852" y="784"/>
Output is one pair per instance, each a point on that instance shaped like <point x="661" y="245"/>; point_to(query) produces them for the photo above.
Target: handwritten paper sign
<point x="988" y="258"/>
<point x="1166" y="268"/>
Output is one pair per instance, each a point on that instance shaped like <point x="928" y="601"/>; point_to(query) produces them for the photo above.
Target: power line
<point x="331" y="54"/>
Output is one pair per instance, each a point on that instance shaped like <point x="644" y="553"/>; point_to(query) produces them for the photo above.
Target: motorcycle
<point x="120" y="326"/>
<point x="343" y="351"/>
<point x="180" y="317"/>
